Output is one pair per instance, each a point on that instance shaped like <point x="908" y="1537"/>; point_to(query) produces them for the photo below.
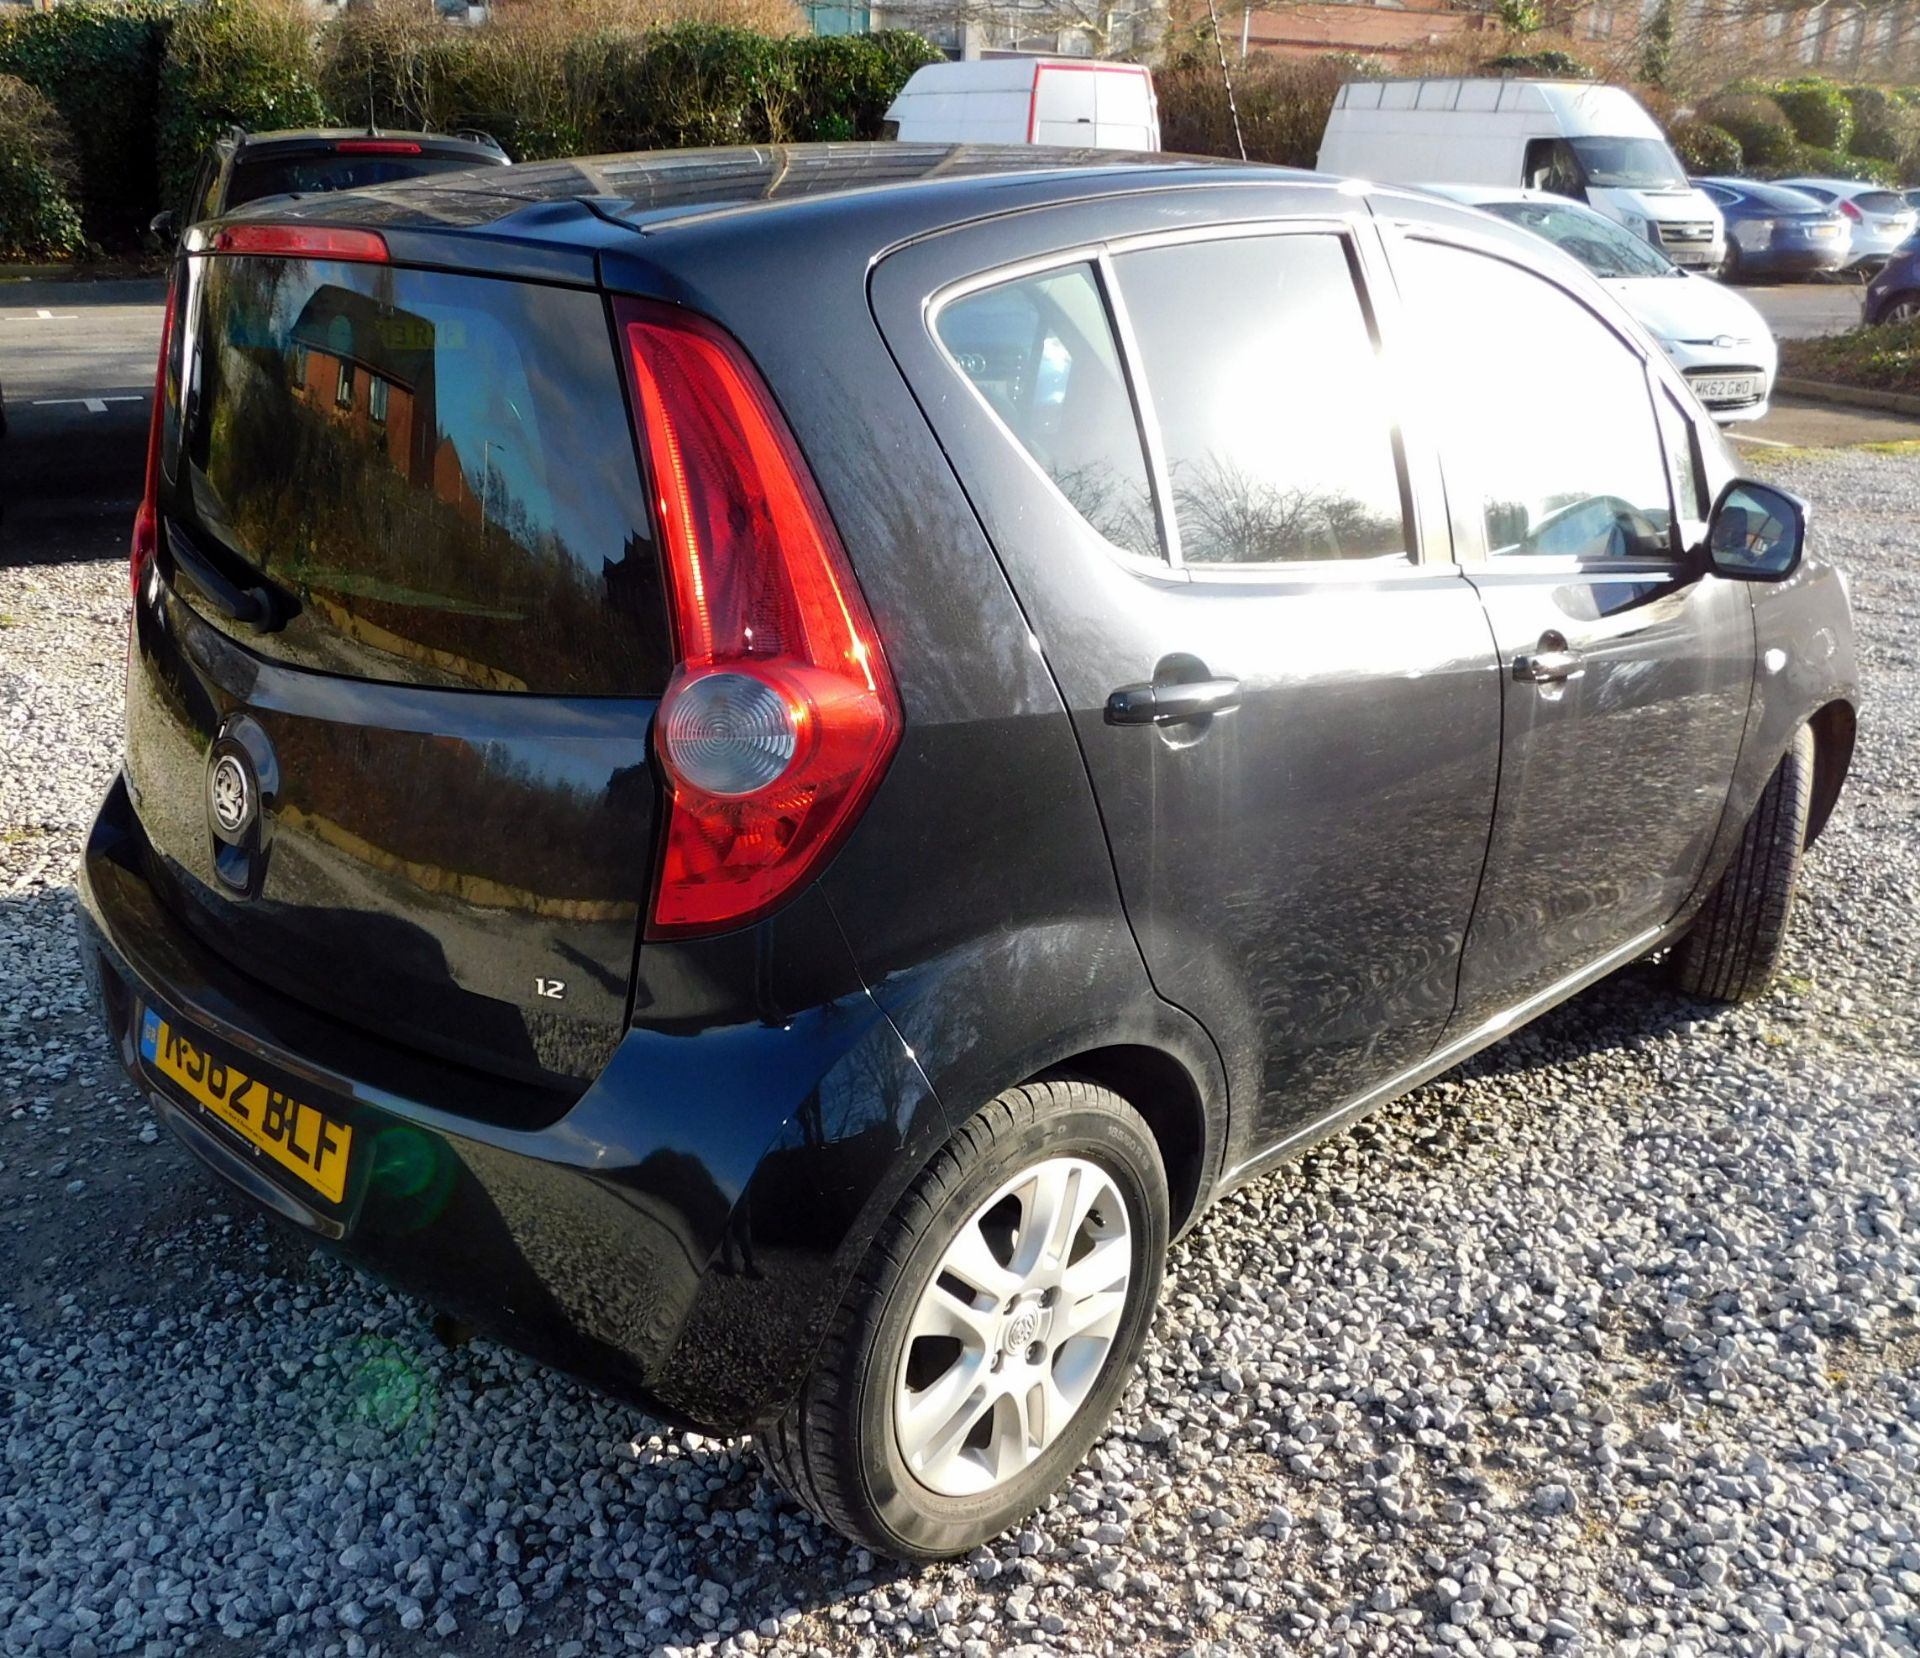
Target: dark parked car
<point x="1080" y="676"/>
<point x="244" y="167"/>
<point x="1773" y="231"/>
<point x="1894" y="293"/>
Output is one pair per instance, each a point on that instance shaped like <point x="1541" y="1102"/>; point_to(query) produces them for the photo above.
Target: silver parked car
<point x="1882" y="219"/>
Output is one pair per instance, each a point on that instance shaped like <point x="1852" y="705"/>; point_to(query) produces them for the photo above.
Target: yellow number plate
<point x="293" y="1134"/>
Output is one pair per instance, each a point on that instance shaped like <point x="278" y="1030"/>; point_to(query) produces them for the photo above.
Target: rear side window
<point x="1546" y="418"/>
<point x="1264" y="381"/>
<point x="437" y="473"/>
<point x="1041" y="353"/>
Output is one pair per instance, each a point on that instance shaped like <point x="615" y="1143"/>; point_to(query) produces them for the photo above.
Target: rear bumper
<point x="1793" y="260"/>
<point x="677" y="1237"/>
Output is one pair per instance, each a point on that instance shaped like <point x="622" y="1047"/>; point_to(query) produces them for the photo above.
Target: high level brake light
<point x="377" y="146"/>
<point x="781" y="715"/>
<point x="146" y="519"/>
<point x="301" y="242"/>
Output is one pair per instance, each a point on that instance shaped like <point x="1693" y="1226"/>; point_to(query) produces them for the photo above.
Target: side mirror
<point x="164" y="225"/>
<point x="1756" y="533"/>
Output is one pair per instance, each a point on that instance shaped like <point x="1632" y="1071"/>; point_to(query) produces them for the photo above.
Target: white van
<point x="1097" y="106"/>
<point x="1593" y="143"/>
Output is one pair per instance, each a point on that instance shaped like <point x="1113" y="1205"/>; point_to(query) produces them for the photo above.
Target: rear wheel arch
<point x="1833" y="735"/>
<point x="1168" y="1097"/>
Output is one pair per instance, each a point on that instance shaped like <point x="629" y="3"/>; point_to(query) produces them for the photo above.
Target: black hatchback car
<point x="761" y="770"/>
<point x="243" y="167"/>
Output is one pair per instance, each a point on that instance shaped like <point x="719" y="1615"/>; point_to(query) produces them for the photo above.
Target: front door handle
<point x="1170" y="704"/>
<point x="1549" y="667"/>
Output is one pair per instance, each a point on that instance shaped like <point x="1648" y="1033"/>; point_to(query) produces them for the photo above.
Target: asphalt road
<point x="1802" y="310"/>
<point x="77" y="358"/>
<point x="76" y="362"/>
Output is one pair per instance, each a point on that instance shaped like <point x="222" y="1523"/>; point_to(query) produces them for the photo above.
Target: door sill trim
<point x="1444" y="1058"/>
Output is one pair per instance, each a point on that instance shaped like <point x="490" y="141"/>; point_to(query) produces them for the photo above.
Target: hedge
<point x="1810" y="161"/>
<point x="1817" y="111"/>
<point x="1283" y="104"/>
<point x="1705" y="148"/>
<point x="1551" y="65"/>
<point x="38" y="172"/>
<point x="231" y="63"/>
<point x="98" y="63"/>
<point x="147" y="84"/>
<point x="1763" y="133"/>
<point x="609" y="90"/>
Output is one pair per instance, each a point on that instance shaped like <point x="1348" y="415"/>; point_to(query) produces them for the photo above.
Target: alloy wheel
<point x="1014" y="1327"/>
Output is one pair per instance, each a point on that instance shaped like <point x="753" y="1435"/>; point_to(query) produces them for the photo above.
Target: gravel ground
<point x="1609" y="1343"/>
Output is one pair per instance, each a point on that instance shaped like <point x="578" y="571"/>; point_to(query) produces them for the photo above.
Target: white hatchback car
<point x="1715" y="338"/>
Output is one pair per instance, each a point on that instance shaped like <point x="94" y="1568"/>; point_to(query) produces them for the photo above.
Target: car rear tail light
<point x="781" y="715"/>
<point x="301" y="242"/>
<point x="376" y="146"/>
<point x="1851" y="211"/>
<point x="146" y="519"/>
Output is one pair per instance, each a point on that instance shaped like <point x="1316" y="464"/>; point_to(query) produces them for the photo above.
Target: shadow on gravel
<point x="1637" y="1004"/>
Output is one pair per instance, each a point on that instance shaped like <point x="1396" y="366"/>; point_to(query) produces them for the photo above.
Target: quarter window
<point x="1265" y="382"/>
<point x="1548" y="420"/>
<point x="1041" y="352"/>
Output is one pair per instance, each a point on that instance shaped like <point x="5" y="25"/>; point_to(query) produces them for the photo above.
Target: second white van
<point x="1596" y="144"/>
<point x="1096" y="106"/>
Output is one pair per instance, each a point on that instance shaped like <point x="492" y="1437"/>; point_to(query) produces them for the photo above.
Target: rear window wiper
<point x="252" y="607"/>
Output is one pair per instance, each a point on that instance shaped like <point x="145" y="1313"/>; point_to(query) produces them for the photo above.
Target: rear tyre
<point x="1731" y="267"/>
<point x="990" y="1330"/>
<point x="1735" y="943"/>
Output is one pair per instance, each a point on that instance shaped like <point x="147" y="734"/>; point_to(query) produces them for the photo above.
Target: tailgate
<point x="392" y="680"/>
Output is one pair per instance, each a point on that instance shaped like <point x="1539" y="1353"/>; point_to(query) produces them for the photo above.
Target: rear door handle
<point x="1170" y="704"/>
<point x="1549" y="667"/>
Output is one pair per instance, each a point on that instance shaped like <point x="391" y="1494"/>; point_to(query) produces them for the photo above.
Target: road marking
<point x="93" y="405"/>
<point x="1771" y="443"/>
<point x="47" y="316"/>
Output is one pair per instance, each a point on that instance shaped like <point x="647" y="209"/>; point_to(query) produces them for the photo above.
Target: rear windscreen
<point x="305" y="174"/>
<point x="434" y="474"/>
<point x="1881" y="201"/>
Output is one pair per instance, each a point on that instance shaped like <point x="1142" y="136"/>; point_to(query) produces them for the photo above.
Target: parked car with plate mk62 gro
<point x="763" y="785"/>
<point x="1714" y="337"/>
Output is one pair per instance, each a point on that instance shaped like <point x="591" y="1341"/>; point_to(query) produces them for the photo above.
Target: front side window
<point x="1266" y="386"/>
<point x="1552" y="165"/>
<point x="1683" y="458"/>
<point x="1546" y="419"/>
<point x="1041" y="353"/>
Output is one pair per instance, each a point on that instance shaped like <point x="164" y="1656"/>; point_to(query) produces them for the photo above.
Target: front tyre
<point x="990" y="1330"/>
<point x="1736" y="942"/>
